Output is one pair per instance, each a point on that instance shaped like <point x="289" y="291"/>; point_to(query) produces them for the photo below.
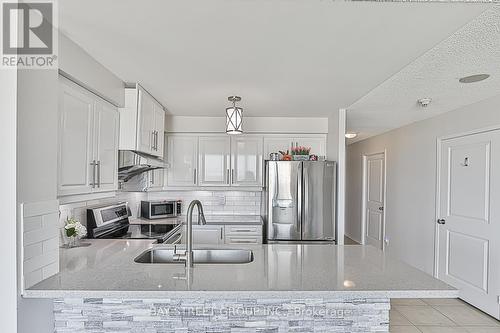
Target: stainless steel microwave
<point x="160" y="209"/>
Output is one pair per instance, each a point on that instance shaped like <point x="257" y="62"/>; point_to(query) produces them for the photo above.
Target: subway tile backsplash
<point x="215" y="202"/>
<point x="219" y="203"/>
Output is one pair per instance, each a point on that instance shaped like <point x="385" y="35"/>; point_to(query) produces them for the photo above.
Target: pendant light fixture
<point x="234" y="117"/>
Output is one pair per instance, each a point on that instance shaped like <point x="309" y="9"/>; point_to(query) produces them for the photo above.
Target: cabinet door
<point x="204" y="234"/>
<point x="182" y="155"/>
<point x="214" y="161"/>
<point x="276" y="144"/>
<point x="159" y="131"/>
<point x="146" y="123"/>
<point x="246" y="161"/>
<point x="106" y="120"/>
<point x="156" y="178"/>
<point x="75" y="172"/>
<point x="317" y="144"/>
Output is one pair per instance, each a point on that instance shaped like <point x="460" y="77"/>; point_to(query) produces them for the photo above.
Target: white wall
<point x="36" y="166"/>
<point x="8" y="259"/>
<point x="79" y="66"/>
<point x="411" y="179"/>
<point x="181" y="124"/>
<point x="332" y="142"/>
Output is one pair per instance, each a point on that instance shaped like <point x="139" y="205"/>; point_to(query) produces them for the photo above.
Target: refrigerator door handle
<point x="299" y="200"/>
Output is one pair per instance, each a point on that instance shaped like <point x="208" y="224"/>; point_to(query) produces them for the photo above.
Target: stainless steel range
<point x="112" y="222"/>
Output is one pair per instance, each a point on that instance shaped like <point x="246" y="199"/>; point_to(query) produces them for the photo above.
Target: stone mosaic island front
<point x="286" y="288"/>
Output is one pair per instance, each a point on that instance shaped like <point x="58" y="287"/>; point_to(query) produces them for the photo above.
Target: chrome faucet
<point x="187" y="256"/>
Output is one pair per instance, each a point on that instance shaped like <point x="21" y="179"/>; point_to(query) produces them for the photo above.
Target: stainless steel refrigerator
<point x="300" y="201"/>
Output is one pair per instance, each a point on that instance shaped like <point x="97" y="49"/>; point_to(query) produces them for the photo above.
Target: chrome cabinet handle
<point x="98" y="166"/>
<point x="243" y="241"/>
<point x="441" y="221"/>
<point x="228" y="177"/>
<point x="152" y="181"/>
<point x="93" y="164"/>
<point x="156" y="140"/>
<point x="232" y="176"/>
<point x="243" y="230"/>
<point x="195" y="176"/>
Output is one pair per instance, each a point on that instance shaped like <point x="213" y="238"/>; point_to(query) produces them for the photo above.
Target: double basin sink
<point x="200" y="256"/>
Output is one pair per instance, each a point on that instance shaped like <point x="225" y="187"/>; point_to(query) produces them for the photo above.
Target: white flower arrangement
<point x="74" y="228"/>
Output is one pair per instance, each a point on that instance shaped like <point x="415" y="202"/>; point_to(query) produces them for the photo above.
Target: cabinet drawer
<point x="243" y="240"/>
<point x="243" y="230"/>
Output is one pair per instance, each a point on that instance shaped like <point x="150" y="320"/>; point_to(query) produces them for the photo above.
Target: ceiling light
<point x="424" y="102"/>
<point x="351" y="135"/>
<point x="234" y="117"/>
<point x="474" y="78"/>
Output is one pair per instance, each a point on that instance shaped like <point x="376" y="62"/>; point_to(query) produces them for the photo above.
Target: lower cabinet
<point x="228" y="234"/>
<point x="243" y="234"/>
<point x="206" y="234"/>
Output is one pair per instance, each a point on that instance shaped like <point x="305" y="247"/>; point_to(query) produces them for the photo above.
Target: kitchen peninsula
<point x="306" y="288"/>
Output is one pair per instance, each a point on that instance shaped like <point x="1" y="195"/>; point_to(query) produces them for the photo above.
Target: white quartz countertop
<point x="107" y="269"/>
<point x="211" y="219"/>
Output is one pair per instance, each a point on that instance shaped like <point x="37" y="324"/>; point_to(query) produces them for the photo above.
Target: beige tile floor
<point x="439" y="316"/>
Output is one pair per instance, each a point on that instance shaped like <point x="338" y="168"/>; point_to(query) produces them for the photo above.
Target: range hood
<point x="132" y="163"/>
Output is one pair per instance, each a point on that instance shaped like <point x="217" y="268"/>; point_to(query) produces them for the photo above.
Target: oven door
<point x="162" y="210"/>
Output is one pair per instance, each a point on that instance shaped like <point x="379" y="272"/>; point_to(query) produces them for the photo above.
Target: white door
<point x="106" y="134"/>
<point x="159" y="131"/>
<point x="246" y="161"/>
<point x="468" y="226"/>
<point x="146" y="123"/>
<point x="374" y="200"/>
<point x="214" y="160"/>
<point x="182" y="155"/>
<point x="75" y="172"/>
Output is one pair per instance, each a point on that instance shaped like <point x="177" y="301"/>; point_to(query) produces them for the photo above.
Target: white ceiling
<point x="285" y="58"/>
<point x="473" y="49"/>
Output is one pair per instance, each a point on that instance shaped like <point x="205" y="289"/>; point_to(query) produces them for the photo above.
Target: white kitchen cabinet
<point x="242" y="234"/>
<point x="142" y="123"/>
<point x="87" y="142"/>
<point x="276" y="143"/>
<point x="182" y="155"/>
<point x="76" y="108"/>
<point x="106" y="124"/>
<point x="246" y="160"/>
<point x="156" y="179"/>
<point x="145" y="122"/>
<point x="159" y="130"/>
<point x="214" y="163"/>
<point x="206" y="234"/>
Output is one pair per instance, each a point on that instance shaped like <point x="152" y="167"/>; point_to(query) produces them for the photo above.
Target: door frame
<point x="437" y="211"/>
<point x="364" y="196"/>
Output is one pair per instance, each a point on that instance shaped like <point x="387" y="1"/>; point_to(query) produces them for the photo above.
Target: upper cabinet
<point x="87" y="142"/>
<point x="142" y="123"/>
<point x="214" y="167"/>
<point x="182" y="154"/>
<point x="276" y="143"/>
<point x="214" y="160"/>
<point x="246" y="160"/>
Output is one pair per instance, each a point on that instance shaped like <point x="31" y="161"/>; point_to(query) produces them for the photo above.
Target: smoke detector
<point x="424" y="102"/>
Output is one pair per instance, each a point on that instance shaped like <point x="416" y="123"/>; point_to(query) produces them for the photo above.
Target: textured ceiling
<point x="285" y="58"/>
<point x="473" y="49"/>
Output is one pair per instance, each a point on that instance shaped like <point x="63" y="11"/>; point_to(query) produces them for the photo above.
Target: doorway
<point x="374" y="193"/>
<point x="468" y="217"/>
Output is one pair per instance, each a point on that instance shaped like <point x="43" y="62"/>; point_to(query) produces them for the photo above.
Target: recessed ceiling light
<point x="474" y="78"/>
<point x="351" y="135"/>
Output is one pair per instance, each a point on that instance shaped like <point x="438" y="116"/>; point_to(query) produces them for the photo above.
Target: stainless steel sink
<point x="200" y="256"/>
